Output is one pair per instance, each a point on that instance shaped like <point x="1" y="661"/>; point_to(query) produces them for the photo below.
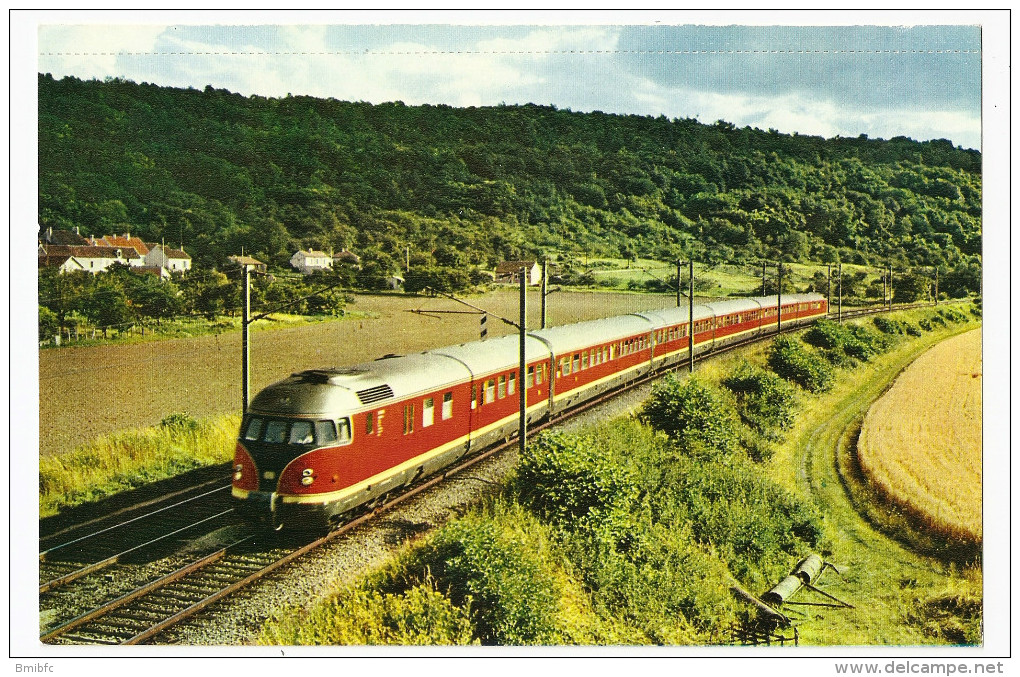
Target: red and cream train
<point x="323" y="441"/>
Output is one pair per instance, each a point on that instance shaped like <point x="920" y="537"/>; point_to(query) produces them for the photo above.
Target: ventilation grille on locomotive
<point x="375" y="394"/>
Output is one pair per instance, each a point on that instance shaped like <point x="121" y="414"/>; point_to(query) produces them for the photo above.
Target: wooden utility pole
<point x="764" y="266"/>
<point x="690" y="319"/>
<point x="840" y="293"/>
<point x="679" y="263"/>
<point x="936" y="285"/>
<point x="828" y="287"/>
<point x="890" y="287"/>
<point x="779" y="297"/>
<point x="245" y="345"/>
<point x="545" y="289"/>
<point x="522" y="381"/>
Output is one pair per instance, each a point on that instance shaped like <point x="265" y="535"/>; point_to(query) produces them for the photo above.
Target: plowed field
<point x="86" y="392"/>
<point x="921" y="442"/>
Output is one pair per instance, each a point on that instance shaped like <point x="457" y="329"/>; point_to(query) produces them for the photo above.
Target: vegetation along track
<point x="822" y="454"/>
<point x="142" y="613"/>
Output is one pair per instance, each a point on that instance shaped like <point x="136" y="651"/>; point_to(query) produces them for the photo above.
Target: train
<point x="322" y="442"/>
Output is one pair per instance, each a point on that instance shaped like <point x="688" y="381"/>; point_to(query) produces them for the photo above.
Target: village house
<point x="243" y="260"/>
<point x="173" y="260"/>
<point x="509" y="271"/>
<point x="310" y="261"/>
<point x="92" y="259"/>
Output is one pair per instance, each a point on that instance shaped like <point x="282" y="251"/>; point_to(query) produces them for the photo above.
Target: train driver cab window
<point x="254" y="428"/>
<point x="301" y="432"/>
<point x="275" y="432"/>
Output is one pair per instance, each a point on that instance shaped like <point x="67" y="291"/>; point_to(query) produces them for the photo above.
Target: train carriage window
<point x="584" y="360"/>
<point x="565" y="366"/>
<point x="530" y="383"/>
<point x="254" y="428"/>
<point x="540" y="374"/>
<point x="512" y="385"/>
<point x="275" y="432"/>
<point x="325" y="431"/>
<point x="301" y="432"/>
<point x="501" y="390"/>
<point x="370" y="423"/>
<point x="577" y="363"/>
<point x="428" y="412"/>
<point x="490" y="391"/>
<point x="447" y="405"/>
<point x="474" y="395"/>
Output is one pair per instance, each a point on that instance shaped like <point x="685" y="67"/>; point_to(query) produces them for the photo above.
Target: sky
<point x="921" y="81"/>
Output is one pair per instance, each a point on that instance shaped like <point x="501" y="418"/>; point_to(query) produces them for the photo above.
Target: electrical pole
<point x="840" y="315"/>
<point x="890" y="287"/>
<point x="828" y="287"/>
<point x="936" y="285"/>
<point x="764" y="265"/>
<point x="245" y="345"/>
<point x="779" y="297"/>
<point x="522" y="381"/>
<point x="885" y="289"/>
<point x="679" y="263"/>
<point x="545" y="289"/>
<point x="690" y="319"/>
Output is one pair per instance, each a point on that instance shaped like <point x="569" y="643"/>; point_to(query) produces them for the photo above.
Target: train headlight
<point x="237" y="471"/>
<point x="306" y="477"/>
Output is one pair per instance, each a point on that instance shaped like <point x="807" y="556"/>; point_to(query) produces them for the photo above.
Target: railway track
<point x="148" y="610"/>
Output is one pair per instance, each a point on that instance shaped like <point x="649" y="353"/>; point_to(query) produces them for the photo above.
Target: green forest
<point x="464" y="188"/>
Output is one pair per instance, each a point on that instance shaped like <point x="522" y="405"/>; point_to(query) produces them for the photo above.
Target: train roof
<point x="575" y="336"/>
<point x="668" y="317"/>
<point x="491" y="355"/>
<point x="791" y="298"/>
<point x="735" y="306"/>
<point x="323" y="391"/>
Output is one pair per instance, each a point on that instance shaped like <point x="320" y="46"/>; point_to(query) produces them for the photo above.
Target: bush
<point x="896" y="327"/>
<point x="765" y="401"/>
<point x="840" y="341"/>
<point x="756" y="526"/>
<point x="793" y="361"/>
<point x="693" y="415"/>
<point x="509" y="593"/>
<point x="566" y="481"/>
<point x="362" y="615"/>
<point x="180" y="423"/>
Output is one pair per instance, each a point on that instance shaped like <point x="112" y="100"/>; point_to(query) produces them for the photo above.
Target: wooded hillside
<point x="217" y="171"/>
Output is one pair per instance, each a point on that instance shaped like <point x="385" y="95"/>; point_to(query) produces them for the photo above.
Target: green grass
<point x="129" y="459"/>
<point x="895" y="589"/>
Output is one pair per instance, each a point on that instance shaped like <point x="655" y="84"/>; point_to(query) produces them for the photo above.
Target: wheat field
<point x="920" y="444"/>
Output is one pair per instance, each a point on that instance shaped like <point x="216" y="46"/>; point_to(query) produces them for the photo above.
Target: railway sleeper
<point x="81" y="639"/>
<point x="195" y="590"/>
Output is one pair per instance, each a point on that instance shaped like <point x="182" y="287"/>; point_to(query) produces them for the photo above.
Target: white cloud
<point x="91" y="51"/>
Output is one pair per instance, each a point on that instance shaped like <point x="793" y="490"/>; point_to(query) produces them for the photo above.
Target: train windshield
<point x="300" y="432"/>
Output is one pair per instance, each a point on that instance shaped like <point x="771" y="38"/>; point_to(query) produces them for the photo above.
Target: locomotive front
<point x="289" y="438"/>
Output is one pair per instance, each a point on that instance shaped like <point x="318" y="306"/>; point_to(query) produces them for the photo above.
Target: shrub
<point x="839" y="341"/>
<point x="765" y="401"/>
<point x="509" y="592"/>
<point x="180" y="422"/>
<point x="756" y="526"/>
<point x="793" y="361"/>
<point x="952" y="618"/>
<point x="896" y="327"/>
<point x="564" y="480"/>
<point x="362" y="615"/>
<point x="693" y="415"/>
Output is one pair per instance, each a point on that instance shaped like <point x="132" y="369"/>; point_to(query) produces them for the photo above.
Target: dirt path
<point x="86" y="392"/>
